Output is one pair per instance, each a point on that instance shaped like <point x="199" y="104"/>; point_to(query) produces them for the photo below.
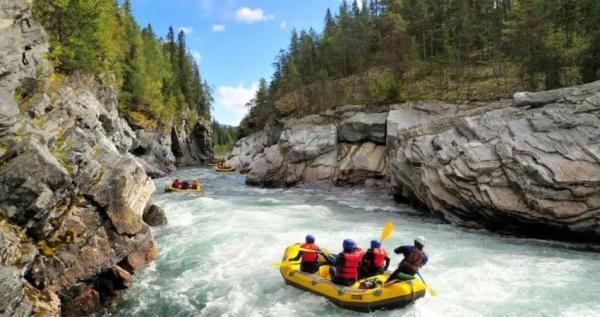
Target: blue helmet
<point x="310" y="238"/>
<point x="375" y="244"/>
<point x="349" y="245"/>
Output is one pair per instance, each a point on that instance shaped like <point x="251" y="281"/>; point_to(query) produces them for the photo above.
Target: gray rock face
<point x="307" y="150"/>
<point x="527" y="170"/>
<point x="69" y="185"/>
<point x="153" y="149"/>
<point x="307" y="141"/>
<point x="73" y="188"/>
<point x="363" y="127"/>
<point x="22" y="43"/>
<point x="192" y="147"/>
<point x="244" y="151"/>
<point x="529" y="165"/>
<point x="160" y="150"/>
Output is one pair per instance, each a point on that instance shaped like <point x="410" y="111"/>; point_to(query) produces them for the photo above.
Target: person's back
<point x="176" y="184"/>
<point x="310" y="259"/>
<point x="414" y="259"/>
<point x="185" y="185"/>
<point x="195" y="185"/>
<point x="346" y="264"/>
<point x="375" y="260"/>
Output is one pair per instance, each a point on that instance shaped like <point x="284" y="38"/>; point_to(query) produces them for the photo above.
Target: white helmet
<point x="420" y="240"/>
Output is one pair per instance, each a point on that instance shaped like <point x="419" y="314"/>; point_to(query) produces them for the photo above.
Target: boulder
<point x="123" y="191"/>
<point x="154" y="216"/>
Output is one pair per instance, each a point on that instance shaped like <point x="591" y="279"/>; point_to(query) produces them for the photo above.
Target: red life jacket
<point x="350" y="268"/>
<point x="379" y="256"/>
<point x="310" y="256"/>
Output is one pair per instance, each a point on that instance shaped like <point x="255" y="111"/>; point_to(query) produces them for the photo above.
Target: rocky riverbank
<point x="74" y="181"/>
<point x="529" y="165"/>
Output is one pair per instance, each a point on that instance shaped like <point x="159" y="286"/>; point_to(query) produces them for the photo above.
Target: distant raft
<point x="224" y="170"/>
<point x="170" y="189"/>
<point x="392" y="296"/>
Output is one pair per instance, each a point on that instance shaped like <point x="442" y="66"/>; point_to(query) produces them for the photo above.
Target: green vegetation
<point x="158" y="78"/>
<point x="457" y="50"/>
<point x="224" y="138"/>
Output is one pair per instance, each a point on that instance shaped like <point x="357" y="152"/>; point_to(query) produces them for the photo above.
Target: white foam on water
<point x="215" y="257"/>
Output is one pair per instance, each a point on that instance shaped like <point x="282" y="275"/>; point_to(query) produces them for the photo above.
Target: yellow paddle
<point x="387" y="230"/>
<point x="285" y="263"/>
<point x="432" y="292"/>
<point x="323" y="250"/>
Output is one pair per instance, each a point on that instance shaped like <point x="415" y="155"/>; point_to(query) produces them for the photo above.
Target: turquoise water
<point x="216" y="253"/>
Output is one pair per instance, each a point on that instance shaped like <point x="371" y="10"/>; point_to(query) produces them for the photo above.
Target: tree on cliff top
<point x="392" y="50"/>
<point x="99" y="37"/>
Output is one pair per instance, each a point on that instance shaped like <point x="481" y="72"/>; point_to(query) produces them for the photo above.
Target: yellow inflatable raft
<point x="170" y="189"/>
<point x="394" y="295"/>
<point x="224" y="170"/>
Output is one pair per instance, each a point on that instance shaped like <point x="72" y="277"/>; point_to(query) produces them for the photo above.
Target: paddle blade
<point x="387" y="230"/>
<point x="432" y="292"/>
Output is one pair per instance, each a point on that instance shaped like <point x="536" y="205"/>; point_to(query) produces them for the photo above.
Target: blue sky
<point x="234" y="40"/>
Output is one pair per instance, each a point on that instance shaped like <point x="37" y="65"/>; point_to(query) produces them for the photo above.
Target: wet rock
<point x="154" y="216"/>
<point x="141" y="257"/>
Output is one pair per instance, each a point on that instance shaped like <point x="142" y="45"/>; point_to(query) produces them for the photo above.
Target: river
<point x="215" y="256"/>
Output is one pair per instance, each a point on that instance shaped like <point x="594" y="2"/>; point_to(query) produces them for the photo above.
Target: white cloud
<point x="196" y="55"/>
<point x="234" y="99"/>
<point x="186" y="29"/>
<point x="248" y="15"/>
<point x="218" y="28"/>
<point x="283" y="25"/>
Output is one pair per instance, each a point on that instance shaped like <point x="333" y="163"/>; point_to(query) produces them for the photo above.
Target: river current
<point x="215" y="256"/>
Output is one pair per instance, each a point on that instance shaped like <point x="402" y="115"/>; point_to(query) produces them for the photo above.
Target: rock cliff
<point x="529" y="165"/>
<point x="74" y="185"/>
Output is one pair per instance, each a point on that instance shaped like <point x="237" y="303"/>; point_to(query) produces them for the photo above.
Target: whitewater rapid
<point x="215" y="256"/>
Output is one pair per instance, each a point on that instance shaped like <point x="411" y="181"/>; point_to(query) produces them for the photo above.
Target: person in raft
<point x="195" y="184"/>
<point x="176" y="183"/>
<point x="345" y="271"/>
<point x="414" y="259"/>
<point x="310" y="259"/>
<point x="375" y="261"/>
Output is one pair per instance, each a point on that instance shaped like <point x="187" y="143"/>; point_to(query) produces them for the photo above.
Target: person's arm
<point x="368" y="256"/>
<point x="404" y="250"/>
<point x="339" y="260"/>
<point x="387" y="262"/>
